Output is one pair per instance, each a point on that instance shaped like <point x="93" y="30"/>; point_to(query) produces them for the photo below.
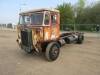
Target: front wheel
<point x="52" y="51"/>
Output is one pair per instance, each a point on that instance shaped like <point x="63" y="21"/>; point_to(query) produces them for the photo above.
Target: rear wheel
<point x="67" y="40"/>
<point x="80" y="39"/>
<point x="52" y="51"/>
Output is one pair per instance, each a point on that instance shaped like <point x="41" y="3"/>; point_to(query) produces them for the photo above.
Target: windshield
<point x="34" y="19"/>
<point x="24" y="19"/>
<point x="37" y="18"/>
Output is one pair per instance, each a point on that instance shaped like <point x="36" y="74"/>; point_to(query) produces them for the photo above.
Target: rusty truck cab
<point x="37" y="27"/>
<point x="39" y="31"/>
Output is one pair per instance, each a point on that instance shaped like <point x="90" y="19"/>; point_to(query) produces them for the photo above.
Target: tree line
<point x="83" y="16"/>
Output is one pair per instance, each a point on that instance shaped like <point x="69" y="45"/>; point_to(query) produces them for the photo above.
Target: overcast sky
<point x="9" y="9"/>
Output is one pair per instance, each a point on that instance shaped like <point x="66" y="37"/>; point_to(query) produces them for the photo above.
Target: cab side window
<point x="53" y="19"/>
<point x="46" y="21"/>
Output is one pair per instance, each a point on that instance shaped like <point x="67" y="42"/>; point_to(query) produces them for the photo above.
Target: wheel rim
<point x="54" y="52"/>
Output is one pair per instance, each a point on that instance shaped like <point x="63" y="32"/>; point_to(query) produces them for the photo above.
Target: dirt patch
<point x="74" y="59"/>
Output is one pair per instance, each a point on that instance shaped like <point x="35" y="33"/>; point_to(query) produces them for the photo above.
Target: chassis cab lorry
<point x="39" y="31"/>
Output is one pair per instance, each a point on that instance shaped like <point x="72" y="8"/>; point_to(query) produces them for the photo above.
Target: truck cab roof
<point x="39" y="10"/>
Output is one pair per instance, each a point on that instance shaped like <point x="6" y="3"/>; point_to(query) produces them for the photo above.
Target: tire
<point x="80" y="39"/>
<point x="67" y="40"/>
<point x="52" y="51"/>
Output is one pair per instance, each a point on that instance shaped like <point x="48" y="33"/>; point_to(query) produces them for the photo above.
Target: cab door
<point x="47" y="26"/>
<point x="55" y="31"/>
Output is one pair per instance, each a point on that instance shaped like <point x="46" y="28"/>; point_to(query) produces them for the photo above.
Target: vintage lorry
<point x="39" y="32"/>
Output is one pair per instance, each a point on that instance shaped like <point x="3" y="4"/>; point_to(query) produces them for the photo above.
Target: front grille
<point x="24" y="38"/>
